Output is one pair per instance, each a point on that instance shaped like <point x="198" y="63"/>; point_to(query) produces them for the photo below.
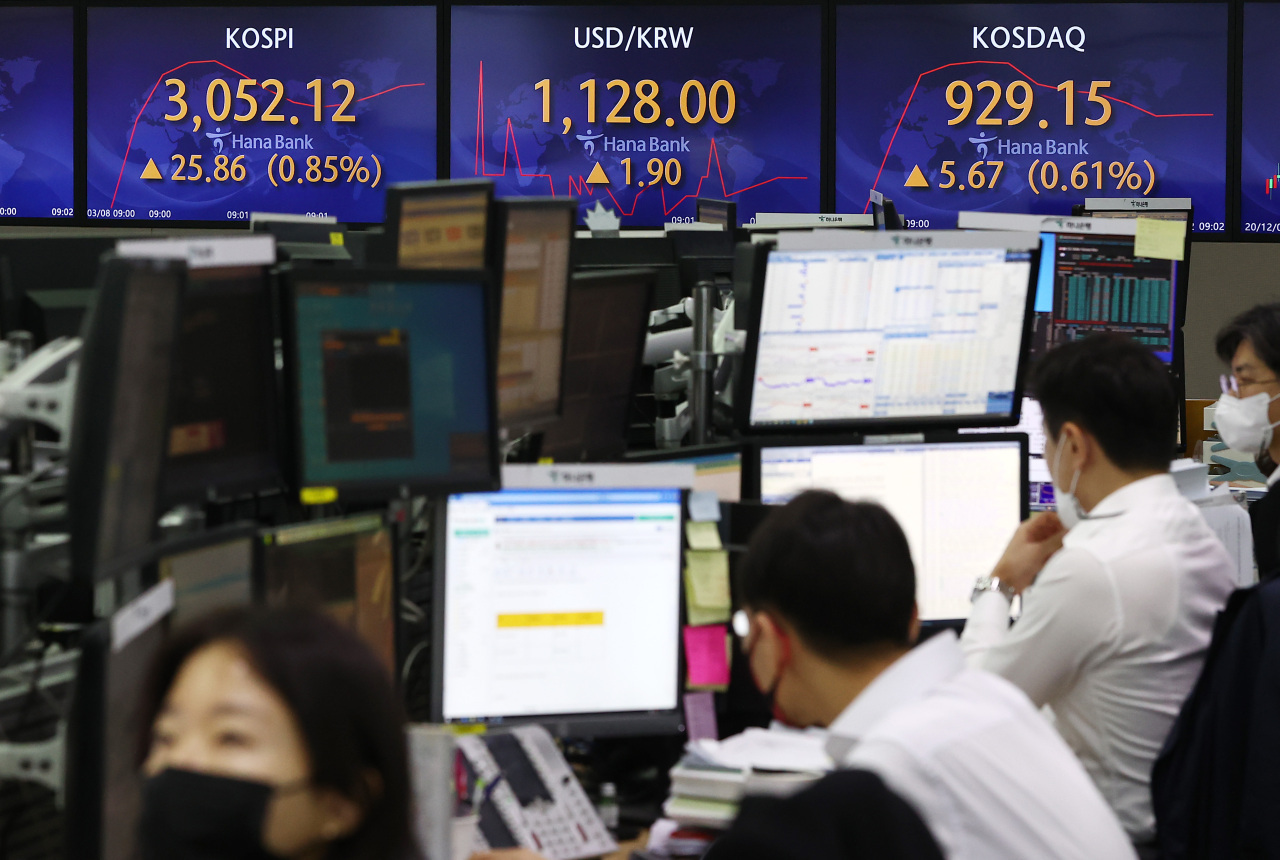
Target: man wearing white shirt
<point x="828" y="618"/>
<point x="1120" y="588"/>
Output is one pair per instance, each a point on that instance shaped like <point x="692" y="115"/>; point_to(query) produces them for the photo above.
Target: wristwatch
<point x="990" y="583"/>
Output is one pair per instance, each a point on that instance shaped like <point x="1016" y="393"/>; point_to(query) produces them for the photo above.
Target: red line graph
<point x="922" y="76"/>
<point x="133" y="130"/>
<point x="510" y="144"/>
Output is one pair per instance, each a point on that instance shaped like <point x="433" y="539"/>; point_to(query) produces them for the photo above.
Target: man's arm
<point x="1069" y="614"/>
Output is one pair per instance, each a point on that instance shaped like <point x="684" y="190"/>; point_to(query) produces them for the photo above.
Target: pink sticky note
<point x="700" y="716"/>
<point x="705" y="655"/>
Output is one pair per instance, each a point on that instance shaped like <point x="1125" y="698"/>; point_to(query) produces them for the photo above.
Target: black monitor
<point x="104" y="781"/>
<point x="346" y="567"/>
<point x="224" y="434"/>
<point x="560" y="607"/>
<point x="880" y="331"/>
<point x="959" y="500"/>
<point x="445" y="224"/>
<point x="604" y="342"/>
<point x="119" y="430"/>
<point x="630" y="251"/>
<point x="210" y="570"/>
<point x="713" y="211"/>
<point x="1160" y="209"/>
<point x="884" y="213"/>
<point x="748" y="258"/>
<point x="535" y="287"/>
<point x="391" y="381"/>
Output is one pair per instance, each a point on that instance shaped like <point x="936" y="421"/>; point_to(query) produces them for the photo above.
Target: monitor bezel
<point x="746" y="389"/>
<point x="534" y="419"/>
<point x="730" y="207"/>
<point x="381" y="490"/>
<point x="603" y="724"/>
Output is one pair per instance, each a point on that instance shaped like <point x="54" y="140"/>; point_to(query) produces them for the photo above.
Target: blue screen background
<point x="448" y="367"/>
<point x="37" y="106"/>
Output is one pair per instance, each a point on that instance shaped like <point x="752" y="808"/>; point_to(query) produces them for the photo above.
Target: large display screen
<point x="640" y="110"/>
<point x="209" y="114"/>
<point x="37" y="109"/>
<point x="1031" y="108"/>
<point x="1260" y="132"/>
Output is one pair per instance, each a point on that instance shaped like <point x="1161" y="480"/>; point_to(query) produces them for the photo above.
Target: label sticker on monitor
<point x="141" y="614"/>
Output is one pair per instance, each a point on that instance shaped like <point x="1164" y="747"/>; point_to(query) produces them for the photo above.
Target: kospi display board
<point x="640" y="110"/>
<point x="37" y="113"/>
<point x="208" y="114"/>
<point x="1260" y="121"/>
<point x="1031" y="108"/>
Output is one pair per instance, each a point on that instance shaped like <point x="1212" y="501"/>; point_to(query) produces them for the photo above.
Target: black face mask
<point x="198" y="816"/>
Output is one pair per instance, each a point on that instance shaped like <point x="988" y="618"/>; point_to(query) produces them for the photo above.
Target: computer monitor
<point x="391" y="382"/>
<point x="958" y="501"/>
<point x="864" y="329"/>
<point x="713" y="211"/>
<point x="884" y="212"/>
<point x="119" y="430"/>
<point x="1159" y="209"/>
<point x="210" y="570"/>
<point x="347" y="567"/>
<point x="607" y="321"/>
<point x="441" y="225"/>
<point x="630" y="251"/>
<point x="535" y="288"/>
<point x="1040" y="489"/>
<point x="560" y="607"/>
<point x="224" y="433"/>
<point x="104" y="782"/>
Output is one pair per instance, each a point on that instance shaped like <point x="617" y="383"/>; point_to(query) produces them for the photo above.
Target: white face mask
<point x="1244" y="423"/>
<point x="1065" y="502"/>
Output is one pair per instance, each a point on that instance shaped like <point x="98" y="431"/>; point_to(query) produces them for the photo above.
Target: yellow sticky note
<point x="318" y="495"/>
<point x="708" y="573"/>
<point x="337" y="239"/>
<point x="702" y="535"/>
<point x="1160" y="240"/>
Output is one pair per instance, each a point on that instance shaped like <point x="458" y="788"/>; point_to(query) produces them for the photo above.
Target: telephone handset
<point x="534" y="800"/>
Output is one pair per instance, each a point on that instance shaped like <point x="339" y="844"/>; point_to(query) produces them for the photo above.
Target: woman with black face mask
<point x="272" y="734"/>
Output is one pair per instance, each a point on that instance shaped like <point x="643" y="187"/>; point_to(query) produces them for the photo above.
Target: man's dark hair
<point x="1260" y="325"/>
<point x="1117" y="390"/>
<point x="342" y="697"/>
<point x="839" y="571"/>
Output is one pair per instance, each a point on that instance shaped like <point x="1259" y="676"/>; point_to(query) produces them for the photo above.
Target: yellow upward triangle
<point x="151" y="171"/>
<point x="597" y="176"/>
<point x="916" y="179"/>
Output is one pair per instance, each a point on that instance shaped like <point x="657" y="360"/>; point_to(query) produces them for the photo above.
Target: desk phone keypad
<point x="566" y="828"/>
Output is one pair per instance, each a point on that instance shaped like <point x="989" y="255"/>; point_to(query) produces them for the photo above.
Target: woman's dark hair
<point x="1116" y="389"/>
<point x="345" y="704"/>
<point x="1260" y="325"/>
<point x="839" y="571"/>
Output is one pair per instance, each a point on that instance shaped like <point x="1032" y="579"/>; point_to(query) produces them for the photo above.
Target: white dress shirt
<point x="981" y="766"/>
<point x="1113" y="634"/>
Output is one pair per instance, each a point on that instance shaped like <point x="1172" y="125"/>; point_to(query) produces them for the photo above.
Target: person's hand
<point x="507" y="854"/>
<point x="1033" y="544"/>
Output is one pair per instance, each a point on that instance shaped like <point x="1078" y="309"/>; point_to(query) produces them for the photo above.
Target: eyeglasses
<point x="1231" y="385"/>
